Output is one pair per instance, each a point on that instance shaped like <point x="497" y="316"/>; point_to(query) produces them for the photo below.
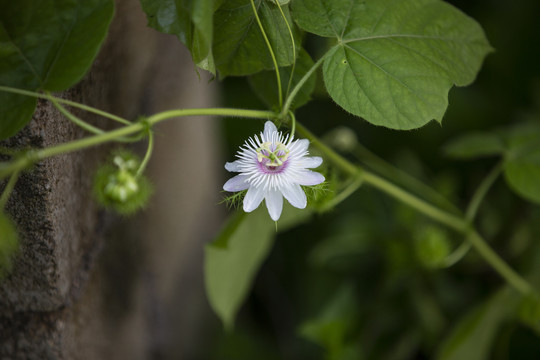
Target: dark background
<point x="365" y="249"/>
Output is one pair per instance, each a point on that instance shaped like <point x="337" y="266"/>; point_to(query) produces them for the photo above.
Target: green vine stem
<point x="450" y="220"/>
<point x="402" y="178"/>
<point x="354" y="185"/>
<point x="27" y="159"/>
<point x="148" y="154"/>
<point x="293" y="125"/>
<point x="288" y="103"/>
<point x="83" y="124"/>
<point x="269" y="46"/>
<point x="226" y="112"/>
<point x="458" y="254"/>
<point x="481" y="192"/>
<point x="79" y="122"/>
<point x="513" y="278"/>
<point x="293" y="48"/>
<point x="470" y="214"/>
<point x="141" y="126"/>
<point x="66" y="102"/>
<point x="460" y="224"/>
<point x="340" y="162"/>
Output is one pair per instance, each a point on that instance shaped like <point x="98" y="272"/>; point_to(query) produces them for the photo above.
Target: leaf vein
<point x="327" y="13"/>
<point x="423" y="55"/>
<point x="361" y="88"/>
<point x="414" y="36"/>
<point x="64" y="40"/>
<point x="389" y="74"/>
<point x="23" y="56"/>
<point x="347" y="19"/>
<point x="388" y="6"/>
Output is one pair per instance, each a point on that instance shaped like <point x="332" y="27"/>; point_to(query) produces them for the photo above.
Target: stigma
<point x="272" y="155"/>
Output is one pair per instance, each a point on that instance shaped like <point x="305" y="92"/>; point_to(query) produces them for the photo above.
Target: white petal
<point x="237" y="183"/>
<point x="274" y="204"/>
<point x="233" y="167"/>
<point x="306" y="162"/>
<point x="253" y="198"/>
<point x="308" y="177"/>
<point x="269" y="128"/>
<point x="295" y="195"/>
<point x="300" y="146"/>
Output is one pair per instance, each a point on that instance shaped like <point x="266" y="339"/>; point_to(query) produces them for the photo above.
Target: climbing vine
<point x="390" y="63"/>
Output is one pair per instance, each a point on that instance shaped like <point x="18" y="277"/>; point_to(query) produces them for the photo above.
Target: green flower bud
<point x="432" y="246"/>
<point x="343" y="138"/>
<point x="117" y="185"/>
<point x="121" y="186"/>
<point x="9" y="244"/>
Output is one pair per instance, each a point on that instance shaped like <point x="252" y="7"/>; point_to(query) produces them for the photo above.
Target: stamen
<point x="273" y="151"/>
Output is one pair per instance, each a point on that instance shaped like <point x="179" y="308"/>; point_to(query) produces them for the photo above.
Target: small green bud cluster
<point x="122" y="184"/>
<point x="8" y="243"/>
<point x="432" y="247"/>
<point x="343" y="138"/>
<point x="118" y="186"/>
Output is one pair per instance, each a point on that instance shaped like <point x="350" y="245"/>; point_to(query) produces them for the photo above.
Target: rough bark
<point x="88" y="284"/>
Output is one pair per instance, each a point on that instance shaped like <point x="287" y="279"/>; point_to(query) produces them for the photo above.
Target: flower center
<point x="272" y="155"/>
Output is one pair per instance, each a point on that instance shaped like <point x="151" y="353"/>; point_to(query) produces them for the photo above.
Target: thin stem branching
<point x="459" y="223"/>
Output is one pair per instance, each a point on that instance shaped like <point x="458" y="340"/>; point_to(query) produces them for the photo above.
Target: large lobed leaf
<point x="46" y="45"/>
<point x="395" y="60"/>
<point x="190" y="20"/>
<point x="239" y="47"/>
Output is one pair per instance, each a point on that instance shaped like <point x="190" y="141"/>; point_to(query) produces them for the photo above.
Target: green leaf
<point x="522" y="159"/>
<point x="264" y="83"/>
<point x="234" y="258"/>
<point x="15" y="112"/>
<point x="473" y="336"/>
<point x="395" y="60"/>
<point x="46" y="45"/>
<point x="521" y="138"/>
<point x="520" y="146"/>
<point x="475" y="145"/>
<point x="239" y="47"/>
<point x="190" y="20"/>
<point x="229" y="272"/>
<point x="523" y="175"/>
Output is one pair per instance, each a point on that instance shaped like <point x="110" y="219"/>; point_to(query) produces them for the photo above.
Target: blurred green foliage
<point x="350" y="284"/>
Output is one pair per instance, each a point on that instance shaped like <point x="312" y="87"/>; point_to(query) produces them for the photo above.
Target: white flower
<point x="272" y="167"/>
